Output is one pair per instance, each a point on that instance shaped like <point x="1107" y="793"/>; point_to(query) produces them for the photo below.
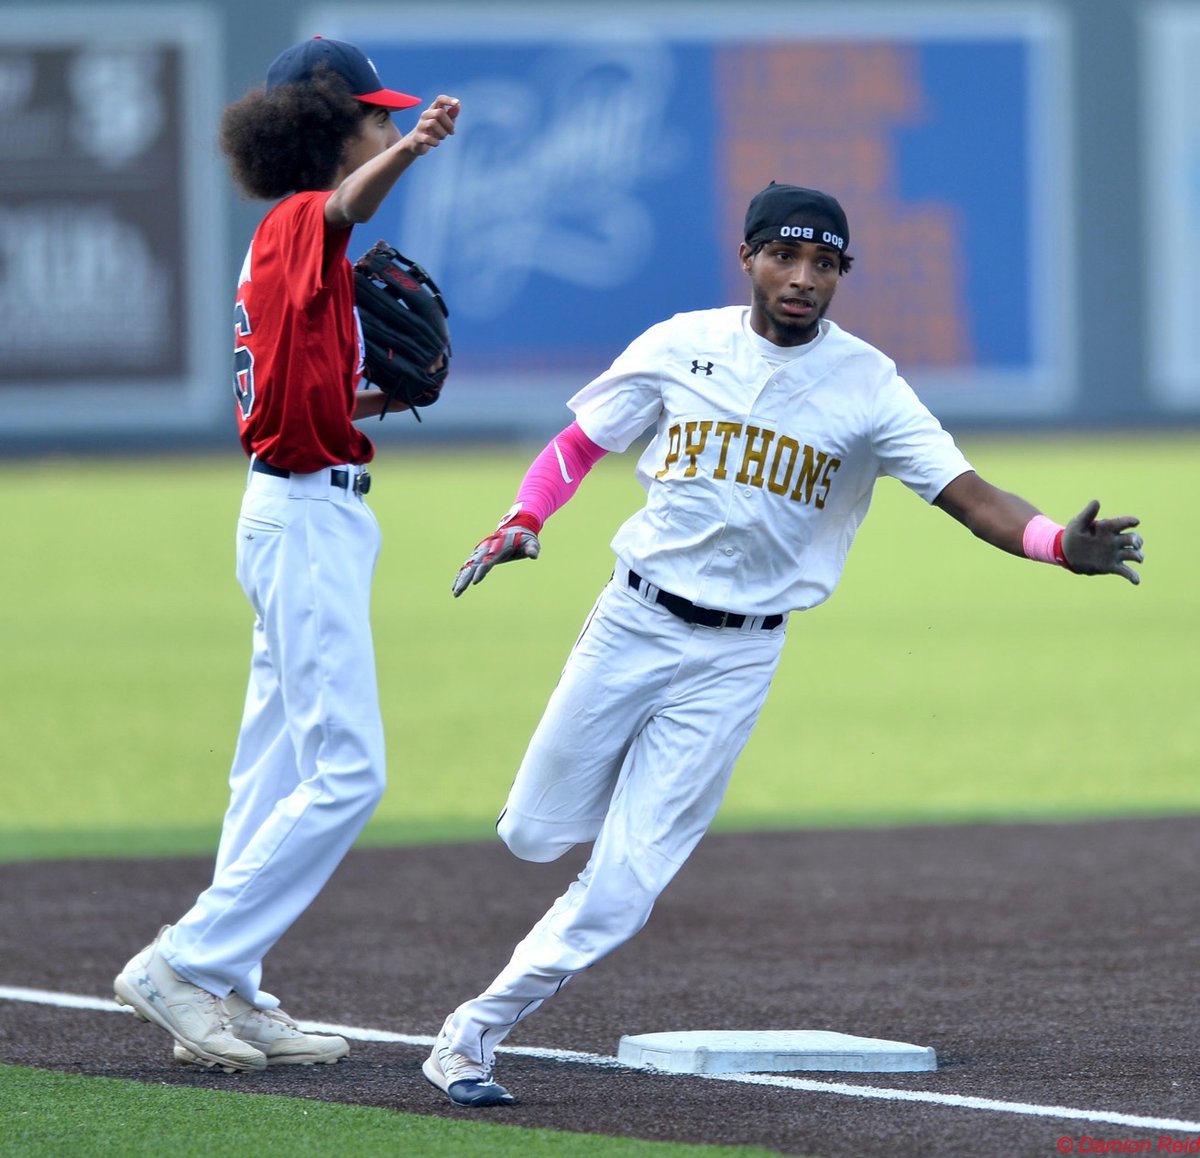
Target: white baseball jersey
<point x="759" y="473"/>
<point x="763" y="460"/>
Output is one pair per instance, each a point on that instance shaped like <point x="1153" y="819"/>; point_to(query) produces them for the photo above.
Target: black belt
<point x="338" y="477"/>
<point x="703" y="616"/>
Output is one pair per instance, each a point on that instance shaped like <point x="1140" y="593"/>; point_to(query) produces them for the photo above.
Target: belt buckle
<point x="362" y="482"/>
<point x="724" y="620"/>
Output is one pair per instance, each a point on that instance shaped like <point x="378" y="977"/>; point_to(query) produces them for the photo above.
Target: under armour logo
<point x="707" y="367"/>
<point x="146" y="984"/>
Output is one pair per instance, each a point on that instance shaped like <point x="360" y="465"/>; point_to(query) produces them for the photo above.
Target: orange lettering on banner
<point x="824" y="114"/>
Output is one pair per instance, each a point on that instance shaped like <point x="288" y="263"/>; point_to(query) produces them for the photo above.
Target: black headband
<point x="792" y="213"/>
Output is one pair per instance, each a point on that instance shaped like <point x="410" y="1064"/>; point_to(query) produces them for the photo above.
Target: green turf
<point x="944" y="681"/>
<point x="51" y="1115"/>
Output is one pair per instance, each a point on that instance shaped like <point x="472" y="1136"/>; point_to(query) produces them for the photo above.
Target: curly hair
<point x="292" y="138"/>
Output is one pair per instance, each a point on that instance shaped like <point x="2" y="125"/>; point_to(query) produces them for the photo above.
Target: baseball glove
<point x="403" y="318"/>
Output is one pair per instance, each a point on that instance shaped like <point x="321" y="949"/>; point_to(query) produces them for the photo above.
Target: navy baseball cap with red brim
<point x="295" y="65"/>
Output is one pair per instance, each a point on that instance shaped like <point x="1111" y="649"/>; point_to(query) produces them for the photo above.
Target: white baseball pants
<point x="309" y="766"/>
<point x="634" y="752"/>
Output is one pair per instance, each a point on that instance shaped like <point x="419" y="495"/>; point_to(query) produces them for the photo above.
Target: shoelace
<point x="214" y="1006"/>
<point x="279" y="1016"/>
<point x="458" y="1068"/>
<point x="276" y="1015"/>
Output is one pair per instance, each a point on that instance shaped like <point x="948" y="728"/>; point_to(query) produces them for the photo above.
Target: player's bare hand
<point x="1102" y="546"/>
<point x="513" y="540"/>
<point x="436" y="123"/>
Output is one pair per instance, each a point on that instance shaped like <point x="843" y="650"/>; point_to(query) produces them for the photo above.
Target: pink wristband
<point x="1042" y="541"/>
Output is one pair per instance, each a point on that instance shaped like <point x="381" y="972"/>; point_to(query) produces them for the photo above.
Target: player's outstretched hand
<point x="1102" y="546"/>
<point x="515" y="539"/>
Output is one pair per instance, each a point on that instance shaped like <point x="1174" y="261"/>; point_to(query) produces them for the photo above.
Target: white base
<point x="770" y="1051"/>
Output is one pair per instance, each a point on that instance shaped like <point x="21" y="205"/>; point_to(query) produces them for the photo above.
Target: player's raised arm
<point x="1086" y="545"/>
<point x="362" y="188"/>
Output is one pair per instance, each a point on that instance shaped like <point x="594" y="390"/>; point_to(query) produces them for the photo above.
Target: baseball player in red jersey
<point x="771" y="426"/>
<point x="309" y="766"/>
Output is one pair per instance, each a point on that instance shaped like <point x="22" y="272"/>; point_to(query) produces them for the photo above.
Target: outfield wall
<point x="1022" y="182"/>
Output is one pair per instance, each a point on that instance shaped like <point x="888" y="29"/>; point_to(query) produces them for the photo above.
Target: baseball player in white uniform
<point x="771" y="426"/>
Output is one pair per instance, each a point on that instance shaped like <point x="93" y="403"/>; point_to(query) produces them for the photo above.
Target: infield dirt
<point x="1049" y="965"/>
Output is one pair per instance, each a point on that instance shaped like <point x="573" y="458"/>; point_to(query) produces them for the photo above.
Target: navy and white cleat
<point x="465" y="1083"/>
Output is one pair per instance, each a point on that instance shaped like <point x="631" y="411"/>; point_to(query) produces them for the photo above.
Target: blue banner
<point x="600" y="173"/>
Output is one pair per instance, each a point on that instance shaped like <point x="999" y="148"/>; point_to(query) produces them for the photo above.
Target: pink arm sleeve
<point x="554" y="476"/>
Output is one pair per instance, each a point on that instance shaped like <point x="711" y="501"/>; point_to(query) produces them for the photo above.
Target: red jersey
<point x="298" y="349"/>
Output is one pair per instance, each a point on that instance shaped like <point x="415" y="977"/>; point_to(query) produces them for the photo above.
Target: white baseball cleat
<point x="195" y="1018"/>
<point x="277" y="1035"/>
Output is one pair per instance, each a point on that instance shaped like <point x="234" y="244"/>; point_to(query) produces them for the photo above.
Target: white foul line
<point x="779" y="1081"/>
<point x="970" y="1103"/>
